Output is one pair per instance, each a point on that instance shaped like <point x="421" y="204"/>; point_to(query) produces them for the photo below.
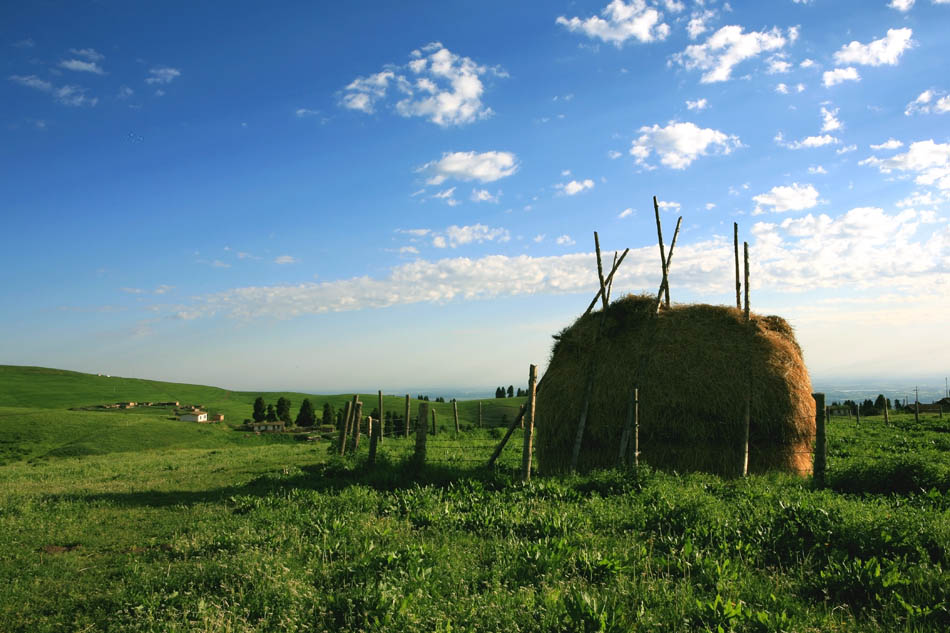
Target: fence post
<point x="407" y="416"/>
<point x="479" y="414"/>
<point x="382" y="416"/>
<point x="375" y="430"/>
<point x="345" y="427"/>
<point x="419" y="457"/>
<point x="857" y="413"/>
<point x="529" y="425"/>
<point x="433" y="421"/>
<point x="357" y="413"/>
<point x="916" y="412"/>
<point x="821" y="455"/>
<point x="455" y="411"/>
<point x="887" y="419"/>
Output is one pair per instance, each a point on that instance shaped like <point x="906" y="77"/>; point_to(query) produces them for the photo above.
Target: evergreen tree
<point x="306" y="416"/>
<point x="499" y="392"/>
<point x="511" y="391"/>
<point x="328" y="415"/>
<point x="271" y="414"/>
<point x="259" y="410"/>
<point x="880" y="403"/>
<point x="283" y="410"/>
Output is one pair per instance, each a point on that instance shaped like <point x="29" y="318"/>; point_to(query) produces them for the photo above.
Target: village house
<point x="126" y="405"/>
<point x="267" y="427"/>
<point x="194" y="416"/>
<point x="218" y="417"/>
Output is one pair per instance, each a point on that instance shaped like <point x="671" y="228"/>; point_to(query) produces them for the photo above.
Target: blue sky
<point x="368" y="196"/>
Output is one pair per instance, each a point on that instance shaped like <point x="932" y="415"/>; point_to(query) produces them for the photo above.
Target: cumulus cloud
<point x="697" y="22"/>
<point x="885" y="51"/>
<point x="305" y="112"/>
<point x="927" y="161"/>
<point x="668" y="205"/>
<point x="620" y="21"/>
<point x="286" y="259"/>
<point x="436" y="85"/>
<point x="817" y="169"/>
<point x="780" y="199"/>
<point x="808" y="142"/>
<point x="66" y="95"/>
<point x="484" y="195"/>
<point x="625" y="213"/>
<point x="679" y="144"/>
<point x="565" y="240"/>
<point x="929" y="101"/>
<point x="901" y="5"/>
<point x="839" y="75"/>
<point x="456" y="236"/>
<point x="777" y="65"/>
<point x="728" y="47"/>
<point x="891" y="143"/>
<point x="574" y="187"/>
<point x="162" y="75"/>
<point x="699" y="104"/>
<point x="467" y="166"/>
<point x="830" y="121"/>
<point x="79" y="65"/>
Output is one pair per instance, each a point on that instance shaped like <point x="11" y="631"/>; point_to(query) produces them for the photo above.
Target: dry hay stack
<point x="693" y="365"/>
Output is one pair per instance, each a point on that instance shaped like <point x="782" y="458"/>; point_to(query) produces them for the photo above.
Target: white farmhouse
<point x="194" y="416"/>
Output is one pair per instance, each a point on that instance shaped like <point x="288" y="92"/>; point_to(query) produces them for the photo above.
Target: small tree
<point x="511" y="391"/>
<point x="499" y="392"/>
<point x="306" y="416"/>
<point x="271" y="414"/>
<point x="328" y="416"/>
<point x="283" y="410"/>
<point x="259" y="410"/>
<point x="880" y="403"/>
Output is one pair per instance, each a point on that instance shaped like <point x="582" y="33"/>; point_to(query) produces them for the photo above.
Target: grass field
<point x="116" y="521"/>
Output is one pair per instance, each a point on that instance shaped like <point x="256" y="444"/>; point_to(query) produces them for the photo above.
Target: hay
<point x="692" y="364"/>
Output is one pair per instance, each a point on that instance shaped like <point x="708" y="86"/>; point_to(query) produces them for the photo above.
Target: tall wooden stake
<point x="600" y="272"/>
<point x="357" y="418"/>
<point x="821" y="455"/>
<point x="659" y="236"/>
<point x="735" y="244"/>
<point x="745" y="246"/>
<point x="419" y="457"/>
<point x="665" y="283"/>
<point x="407" y="416"/>
<point x="433" y="421"/>
<point x="344" y="426"/>
<point x="504" y="440"/>
<point x="479" y="414"/>
<point x="748" y="396"/>
<point x="886" y="417"/>
<point x="374" y="430"/>
<point x="610" y="279"/>
<point x="382" y="416"/>
<point x="529" y="427"/>
<point x="455" y="412"/>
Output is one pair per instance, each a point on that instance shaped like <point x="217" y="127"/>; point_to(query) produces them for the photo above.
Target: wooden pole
<point x="419" y="456"/>
<point x="600" y="273"/>
<point x="529" y="427"/>
<point x="357" y="418"/>
<point x="455" y="412"/>
<point x="382" y="416"/>
<point x="745" y="246"/>
<point x="344" y="426"/>
<point x="659" y="235"/>
<point x="579" y="437"/>
<point x="821" y="455"/>
<point x="857" y="413"/>
<point x="665" y="283"/>
<point x="433" y="421"/>
<point x="501" y="445"/>
<point x="735" y="244"/>
<point x="886" y="417"/>
<point x="479" y="414"/>
<point x="610" y="279"/>
<point x="407" y="416"/>
<point x="374" y="430"/>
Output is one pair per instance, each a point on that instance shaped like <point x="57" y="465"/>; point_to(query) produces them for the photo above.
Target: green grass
<point x="130" y="522"/>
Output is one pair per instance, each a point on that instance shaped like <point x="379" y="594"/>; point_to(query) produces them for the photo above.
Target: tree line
<point x="510" y="392"/>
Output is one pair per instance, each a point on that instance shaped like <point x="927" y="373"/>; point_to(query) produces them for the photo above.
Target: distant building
<point x="267" y="427"/>
<point x="194" y="416"/>
<point x="126" y="405"/>
<point x="219" y="417"/>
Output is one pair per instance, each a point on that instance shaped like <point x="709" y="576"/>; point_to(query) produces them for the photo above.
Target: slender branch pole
<point x="610" y="279"/>
<point x="735" y="244"/>
<point x="529" y="427"/>
<point x="511" y="429"/>
<point x="664" y="285"/>
<point x="659" y="235"/>
<point x="407" y="416"/>
<point x="600" y="272"/>
<point x="745" y="246"/>
<point x="382" y="417"/>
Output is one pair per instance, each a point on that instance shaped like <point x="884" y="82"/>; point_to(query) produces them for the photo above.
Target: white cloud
<point x="89" y="53"/>
<point x="436" y="84"/>
<point x="162" y="75"/>
<point x="925" y="104"/>
<point x="286" y="259"/>
<point x="697" y="22"/>
<point x="79" y="65"/>
<point x="807" y="63"/>
<point x="408" y="250"/>
<point x="32" y="81"/>
<point x="466" y="166"/>
<point x="163" y="289"/>
<point x="614" y="154"/>
<point x="710" y="206"/>
<point x="839" y="75"/>
<point x="781" y="89"/>
<point x="885" y="51"/>
<point x="220" y="264"/>
<point x="699" y="104"/>
<point x="305" y="112"/>
<point x="808" y="142"/>
<point x="566" y="172"/>
<point x="728" y="47"/>
<point x="565" y="240"/>
<point x="414" y="232"/>
<point x="922" y="199"/>
<point x="817" y="169"/>
<point x="621" y="21"/>
<point x="830" y="121"/>
<point x="795" y="197"/>
<point x="439" y="241"/>
<point x="891" y="143"/>
<point x="625" y="213"/>
<point x="777" y="65"/>
<point x="679" y="144"/>
<point x="668" y="205"/>
<point x="125" y="92"/>
<point x="455" y="236"/>
<point x="928" y="161"/>
<point x="66" y="95"/>
<point x="846" y="149"/>
<point x="484" y="195"/>
<point x="901" y="5"/>
<point x="538" y="238"/>
<point x="132" y="291"/>
<point x="574" y="187"/>
<point x="447" y="195"/>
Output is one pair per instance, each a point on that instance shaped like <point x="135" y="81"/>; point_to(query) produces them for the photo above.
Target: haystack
<point x="694" y="366"/>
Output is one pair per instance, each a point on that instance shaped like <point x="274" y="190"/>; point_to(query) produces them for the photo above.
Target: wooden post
<point x="745" y="246"/>
<point x="504" y="440"/>
<point x="916" y="412"/>
<point x="857" y="413"/>
<point x="665" y="283"/>
<point x="747" y="421"/>
<point x="382" y="416"/>
<point x="479" y="414"/>
<point x="408" y="411"/>
<point x="357" y="419"/>
<point x="886" y="417"/>
<point x="659" y="235"/>
<point x="344" y="426"/>
<point x="600" y="273"/>
<point x="735" y="244"/>
<point x="375" y="431"/>
<point x="455" y="412"/>
<point x="419" y="456"/>
<point x="433" y="421"/>
<point x="529" y="427"/>
<point x="821" y="456"/>
<point x="610" y="279"/>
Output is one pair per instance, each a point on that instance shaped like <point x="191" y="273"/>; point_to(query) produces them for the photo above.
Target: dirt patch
<point x="59" y="549"/>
